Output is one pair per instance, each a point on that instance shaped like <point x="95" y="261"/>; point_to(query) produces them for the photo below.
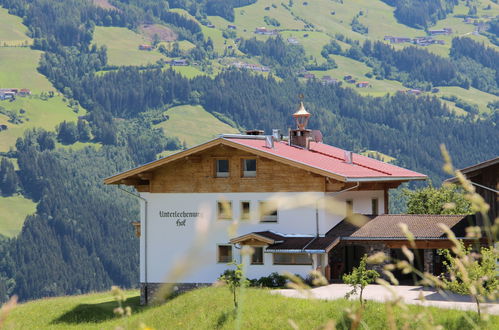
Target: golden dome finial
<point x="301" y="115"/>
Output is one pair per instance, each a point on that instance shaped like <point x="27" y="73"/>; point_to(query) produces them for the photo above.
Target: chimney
<point x="300" y="138"/>
<point x="269" y="141"/>
<point x="348" y="157"/>
<point x="276" y="134"/>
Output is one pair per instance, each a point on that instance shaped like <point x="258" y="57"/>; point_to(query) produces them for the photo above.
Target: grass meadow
<point x="41" y="113"/>
<point x="12" y="30"/>
<point x="18" y="69"/>
<point x="123" y="46"/>
<point x="193" y="124"/>
<point x="13" y="211"/>
<point x="212" y="308"/>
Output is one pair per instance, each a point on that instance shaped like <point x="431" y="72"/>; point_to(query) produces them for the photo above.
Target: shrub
<point x="274" y="280"/>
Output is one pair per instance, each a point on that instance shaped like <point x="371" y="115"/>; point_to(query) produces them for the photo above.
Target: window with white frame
<point x="268" y="212"/>
<point x="249" y="167"/>
<point x="245" y="210"/>
<point x="222" y="168"/>
<point x="292" y="259"/>
<point x="224" y="210"/>
<point x="257" y="257"/>
<point x="224" y="253"/>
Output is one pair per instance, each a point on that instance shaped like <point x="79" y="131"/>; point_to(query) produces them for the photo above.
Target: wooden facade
<point x="196" y="173"/>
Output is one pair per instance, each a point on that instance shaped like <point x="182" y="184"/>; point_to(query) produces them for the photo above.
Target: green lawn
<point x="40" y="113"/>
<point x="12" y="31"/>
<point x="18" y="69"/>
<point x="188" y="71"/>
<point x="472" y="96"/>
<point x="348" y="66"/>
<point x="312" y="42"/>
<point x="193" y="124"/>
<point x="212" y="308"/>
<point x="13" y="211"/>
<point x="123" y="46"/>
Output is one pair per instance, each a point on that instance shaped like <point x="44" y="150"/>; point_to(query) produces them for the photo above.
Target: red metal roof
<point x="332" y="159"/>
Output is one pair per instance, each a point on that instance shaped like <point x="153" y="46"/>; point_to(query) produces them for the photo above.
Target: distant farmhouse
<point x="145" y="47"/>
<point x="327" y="80"/>
<point x="420" y="41"/>
<point x="265" y="31"/>
<point x="440" y="32"/>
<point x="180" y="62"/>
<point x="249" y="66"/>
<point x="362" y="84"/>
<point x="11" y="93"/>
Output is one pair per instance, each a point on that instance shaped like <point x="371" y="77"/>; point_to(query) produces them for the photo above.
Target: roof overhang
<point x="253" y="236"/>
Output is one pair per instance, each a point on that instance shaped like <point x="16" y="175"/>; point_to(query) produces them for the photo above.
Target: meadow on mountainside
<point x="98" y="98"/>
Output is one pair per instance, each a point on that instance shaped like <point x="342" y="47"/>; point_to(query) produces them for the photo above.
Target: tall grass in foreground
<point x="393" y="314"/>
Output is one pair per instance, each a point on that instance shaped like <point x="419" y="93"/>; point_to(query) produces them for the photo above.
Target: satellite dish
<point x="317" y="136"/>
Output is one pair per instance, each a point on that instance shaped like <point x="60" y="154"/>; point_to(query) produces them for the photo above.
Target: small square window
<point x="224" y="253"/>
<point x="222" y="168"/>
<point x="257" y="257"/>
<point x="374" y="206"/>
<point x="268" y="213"/>
<point x="245" y="210"/>
<point x="224" y="210"/>
<point x="349" y="205"/>
<point x="249" y="168"/>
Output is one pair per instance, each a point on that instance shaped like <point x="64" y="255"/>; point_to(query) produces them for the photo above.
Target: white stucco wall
<point x="194" y="244"/>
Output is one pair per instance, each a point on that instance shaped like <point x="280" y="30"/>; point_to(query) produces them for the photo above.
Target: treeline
<point x="80" y="238"/>
<point x="478" y="62"/>
<point x="203" y="8"/>
<point x="411" y="65"/>
<point x="421" y="13"/>
<point x="470" y="63"/>
<point x="284" y="57"/>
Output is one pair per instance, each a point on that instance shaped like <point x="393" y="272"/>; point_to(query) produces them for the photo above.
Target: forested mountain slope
<point x="205" y="55"/>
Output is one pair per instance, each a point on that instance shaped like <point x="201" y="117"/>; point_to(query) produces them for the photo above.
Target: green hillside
<point x="123" y="46"/>
<point x="12" y="31"/>
<point x="193" y="125"/>
<point x="212" y="308"/>
<point x="37" y="113"/>
<point x="18" y="69"/>
<point x="13" y="211"/>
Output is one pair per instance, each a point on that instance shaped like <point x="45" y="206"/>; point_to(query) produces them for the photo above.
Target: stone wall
<point x="149" y="290"/>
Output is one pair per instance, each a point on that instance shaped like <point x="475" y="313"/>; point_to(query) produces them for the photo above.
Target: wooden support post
<point x="386" y="198"/>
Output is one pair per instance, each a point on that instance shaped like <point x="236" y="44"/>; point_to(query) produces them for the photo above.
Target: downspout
<point x="317" y="212"/>
<point x="317" y="205"/>
<point x="146" y="298"/>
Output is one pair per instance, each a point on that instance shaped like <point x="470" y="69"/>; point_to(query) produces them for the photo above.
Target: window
<point x="349" y="203"/>
<point x="292" y="259"/>
<point x="222" y="168"/>
<point x="249" y="168"/>
<point x="224" y="210"/>
<point x="257" y="257"/>
<point x="268" y="212"/>
<point x="245" y="210"/>
<point x="374" y="207"/>
<point x="224" y="253"/>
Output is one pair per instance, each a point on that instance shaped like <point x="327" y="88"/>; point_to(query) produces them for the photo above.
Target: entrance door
<point x="353" y="254"/>
<point x="411" y="278"/>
